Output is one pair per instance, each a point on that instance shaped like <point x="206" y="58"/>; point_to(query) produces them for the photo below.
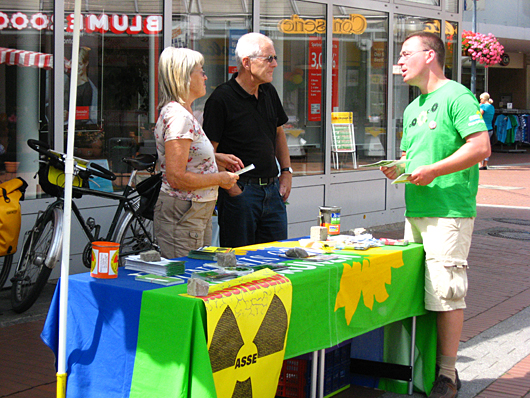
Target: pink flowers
<point x="483" y="48"/>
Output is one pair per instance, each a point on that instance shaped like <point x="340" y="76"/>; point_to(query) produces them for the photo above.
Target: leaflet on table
<point x="163" y="267"/>
<point x="208" y="252"/>
<point x="312" y="257"/>
<point x="160" y="280"/>
<point x="402" y="179"/>
<point x="212" y="276"/>
<point x="386" y="163"/>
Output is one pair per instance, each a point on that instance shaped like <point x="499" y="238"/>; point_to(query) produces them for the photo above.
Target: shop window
<point x="435" y="3"/>
<point x="298" y="30"/>
<point x="451" y="50"/>
<point x="211" y="27"/>
<point x="451" y="5"/>
<point x="360" y="81"/>
<point x="480" y="76"/>
<point x="116" y="82"/>
<point x="403" y="93"/>
<point x="25" y="72"/>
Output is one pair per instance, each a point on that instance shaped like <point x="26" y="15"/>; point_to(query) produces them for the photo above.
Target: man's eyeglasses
<point x="407" y="54"/>
<point x="269" y="59"/>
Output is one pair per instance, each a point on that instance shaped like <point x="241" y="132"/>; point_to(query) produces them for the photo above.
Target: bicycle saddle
<point x="141" y="162"/>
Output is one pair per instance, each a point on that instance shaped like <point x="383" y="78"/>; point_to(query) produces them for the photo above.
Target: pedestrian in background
<point x="488" y="111"/>
<point x="190" y="177"/>
<point x="444" y="139"/>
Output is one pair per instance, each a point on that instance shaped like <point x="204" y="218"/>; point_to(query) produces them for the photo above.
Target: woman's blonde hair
<point x="174" y="74"/>
<point x="486" y="97"/>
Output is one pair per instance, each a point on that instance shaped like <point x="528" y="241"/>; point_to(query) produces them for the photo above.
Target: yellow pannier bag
<point x="11" y="193"/>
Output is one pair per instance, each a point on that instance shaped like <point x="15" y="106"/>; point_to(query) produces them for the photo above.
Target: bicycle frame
<point x="127" y="201"/>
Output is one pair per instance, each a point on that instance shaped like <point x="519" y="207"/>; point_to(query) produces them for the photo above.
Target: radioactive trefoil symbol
<point x="227" y="341"/>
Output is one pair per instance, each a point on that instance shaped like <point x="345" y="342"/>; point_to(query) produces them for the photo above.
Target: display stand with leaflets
<point x="343" y="137"/>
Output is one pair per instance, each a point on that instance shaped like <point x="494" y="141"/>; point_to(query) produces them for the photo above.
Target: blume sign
<point x="101" y="23"/>
<point x="485" y="49"/>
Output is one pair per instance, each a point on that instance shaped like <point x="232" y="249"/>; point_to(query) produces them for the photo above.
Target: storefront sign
<point x="355" y="24"/>
<point x="314" y="78"/>
<point x="378" y="54"/>
<point x="102" y="23"/>
<point x="434" y="27"/>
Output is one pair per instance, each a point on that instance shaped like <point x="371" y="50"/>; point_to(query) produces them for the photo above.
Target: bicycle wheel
<point x="132" y="237"/>
<point x="40" y="252"/>
<point x="5" y="267"/>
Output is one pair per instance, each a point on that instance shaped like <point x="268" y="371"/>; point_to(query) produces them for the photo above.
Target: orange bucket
<point x="105" y="257"/>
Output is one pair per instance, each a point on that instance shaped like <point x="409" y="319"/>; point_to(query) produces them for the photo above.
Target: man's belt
<point x="257" y="180"/>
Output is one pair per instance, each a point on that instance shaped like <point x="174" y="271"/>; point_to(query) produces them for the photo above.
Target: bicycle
<point x="42" y="244"/>
<point x="5" y="266"/>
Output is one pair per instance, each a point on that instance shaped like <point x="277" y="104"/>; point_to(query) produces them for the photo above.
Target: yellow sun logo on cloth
<point x="369" y="277"/>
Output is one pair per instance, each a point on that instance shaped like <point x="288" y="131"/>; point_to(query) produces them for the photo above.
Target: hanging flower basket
<point x="485" y="49"/>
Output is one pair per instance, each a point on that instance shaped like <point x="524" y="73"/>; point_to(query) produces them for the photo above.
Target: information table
<point x="129" y="338"/>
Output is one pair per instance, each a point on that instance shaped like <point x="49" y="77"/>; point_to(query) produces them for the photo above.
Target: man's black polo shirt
<point x="244" y="125"/>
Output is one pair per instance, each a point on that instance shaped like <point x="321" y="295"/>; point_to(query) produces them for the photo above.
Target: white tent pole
<point x="67" y="214"/>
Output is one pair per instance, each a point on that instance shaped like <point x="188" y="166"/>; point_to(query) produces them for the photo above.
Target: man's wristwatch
<point x="289" y="169"/>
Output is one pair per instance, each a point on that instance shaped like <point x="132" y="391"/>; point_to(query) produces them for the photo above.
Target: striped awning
<point x="34" y="59"/>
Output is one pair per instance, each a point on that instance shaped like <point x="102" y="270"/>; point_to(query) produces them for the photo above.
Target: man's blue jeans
<point x="257" y="215"/>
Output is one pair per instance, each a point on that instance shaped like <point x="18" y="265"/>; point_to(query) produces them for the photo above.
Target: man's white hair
<point x="249" y="45"/>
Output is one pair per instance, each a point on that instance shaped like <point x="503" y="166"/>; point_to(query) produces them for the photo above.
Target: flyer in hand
<point x="402" y="179"/>
<point x="386" y="163"/>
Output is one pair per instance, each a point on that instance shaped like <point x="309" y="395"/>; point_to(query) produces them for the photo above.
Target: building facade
<point x="509" y="82"/>
<point x="337" y="76"/>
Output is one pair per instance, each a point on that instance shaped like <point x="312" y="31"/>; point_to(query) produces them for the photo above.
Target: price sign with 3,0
<point x="314" y="78"/>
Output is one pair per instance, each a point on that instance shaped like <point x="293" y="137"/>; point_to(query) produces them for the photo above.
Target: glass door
<point x="359" y="88"/>
<point x="298" y="29"/>
<point x="403" y="93"/>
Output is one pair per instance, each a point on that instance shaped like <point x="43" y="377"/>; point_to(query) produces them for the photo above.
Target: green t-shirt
<point x="435" y="126"/>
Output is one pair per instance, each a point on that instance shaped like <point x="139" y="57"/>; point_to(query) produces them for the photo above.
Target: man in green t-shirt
<point x="444" y="138"/>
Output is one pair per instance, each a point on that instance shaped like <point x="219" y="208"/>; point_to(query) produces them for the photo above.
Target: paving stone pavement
<point x="486" y="357"/>
<point x="494" y="354"/>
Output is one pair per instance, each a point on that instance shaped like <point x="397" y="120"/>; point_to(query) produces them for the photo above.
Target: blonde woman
<point x="190" y="177"/>
<point x="488" y="111"/>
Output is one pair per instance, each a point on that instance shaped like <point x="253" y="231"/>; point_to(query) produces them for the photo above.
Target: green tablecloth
<point x="332" y="302"/>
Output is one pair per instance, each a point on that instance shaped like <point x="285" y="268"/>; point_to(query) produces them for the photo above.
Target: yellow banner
<point x="248" y="321"/>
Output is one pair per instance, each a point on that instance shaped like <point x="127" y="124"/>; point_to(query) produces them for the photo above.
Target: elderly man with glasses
<point x="444" y="138"/>
<point x="244" y="117"/>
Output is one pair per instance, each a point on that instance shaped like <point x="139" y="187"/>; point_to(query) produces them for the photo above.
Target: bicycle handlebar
<point x="57" y="160"/>
<point x="44" y="149"/>
<point x="100" y="171"/>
